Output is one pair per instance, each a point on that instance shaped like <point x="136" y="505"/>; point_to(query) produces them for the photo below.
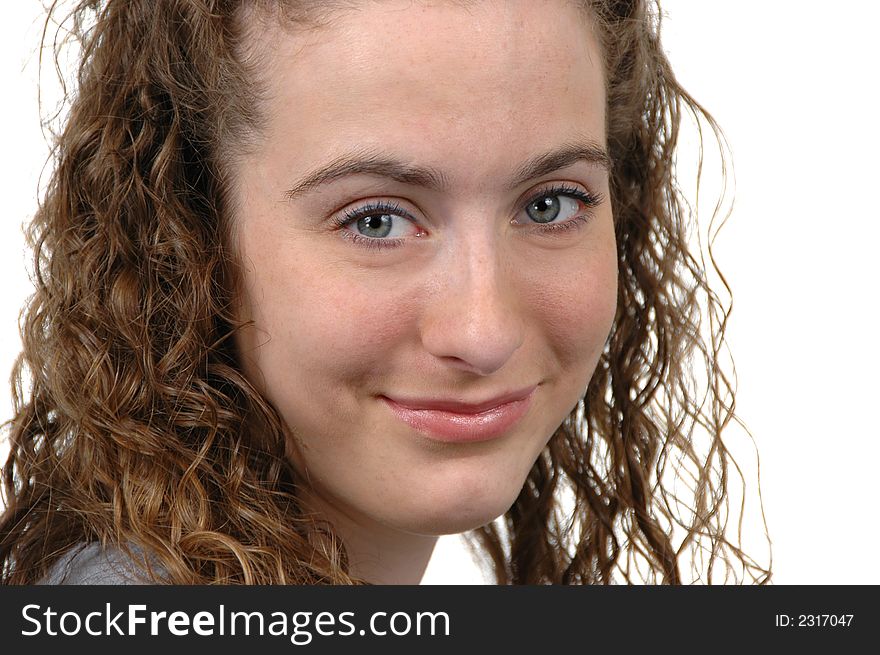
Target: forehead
<point x="439" y="81"/>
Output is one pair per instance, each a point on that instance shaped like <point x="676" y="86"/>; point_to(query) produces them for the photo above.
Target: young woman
<point x="320" y="281"/>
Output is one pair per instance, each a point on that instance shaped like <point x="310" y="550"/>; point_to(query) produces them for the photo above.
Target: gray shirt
<point x="89" y="564"/>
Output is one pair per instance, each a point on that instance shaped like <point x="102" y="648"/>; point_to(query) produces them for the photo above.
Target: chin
<point x="458" y="515"/>
<point x="451" y="525"/>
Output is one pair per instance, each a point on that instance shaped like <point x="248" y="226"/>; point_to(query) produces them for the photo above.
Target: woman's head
<point x="274" y="226"/>
<point x="456" y="291"/>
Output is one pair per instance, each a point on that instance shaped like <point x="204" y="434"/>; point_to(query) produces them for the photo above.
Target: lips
<point x="455" y="421"/>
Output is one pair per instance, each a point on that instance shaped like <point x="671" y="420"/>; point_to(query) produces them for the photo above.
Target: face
<point x="459" y="256"/>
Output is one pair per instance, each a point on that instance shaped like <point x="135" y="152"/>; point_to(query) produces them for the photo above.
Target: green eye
<point x="545" y="209"/>
<point x="375" y="225"/>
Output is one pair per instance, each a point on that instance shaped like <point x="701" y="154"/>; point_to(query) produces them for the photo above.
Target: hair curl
<point x="136" y="428"/>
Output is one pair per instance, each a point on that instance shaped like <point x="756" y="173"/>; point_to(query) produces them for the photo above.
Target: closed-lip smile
<point x="452" y="420"/>
<point x="460" y="407"/>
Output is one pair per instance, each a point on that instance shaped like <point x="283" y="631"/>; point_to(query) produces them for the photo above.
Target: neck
<point x="379" y="559"/>
<point x="376" y="553"/>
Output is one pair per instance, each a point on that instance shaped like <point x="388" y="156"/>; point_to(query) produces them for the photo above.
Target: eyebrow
<point x="368" y="161"/>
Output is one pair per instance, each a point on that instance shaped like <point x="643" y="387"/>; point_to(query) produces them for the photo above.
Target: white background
<point x="794" y="86"/>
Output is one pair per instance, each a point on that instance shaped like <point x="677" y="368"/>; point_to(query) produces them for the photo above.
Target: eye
<point x="559" y="204"/>
<point x="548" y="208"/>
<point x="378" y="225"/>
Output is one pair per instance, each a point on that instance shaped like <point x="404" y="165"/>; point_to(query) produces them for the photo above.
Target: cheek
<point x="576" y="304"/>
<point x="320" y="327"/>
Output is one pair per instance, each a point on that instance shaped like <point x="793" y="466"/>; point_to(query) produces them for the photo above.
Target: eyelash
<point x="380" y="207"/>
<point x="590" y="201"/>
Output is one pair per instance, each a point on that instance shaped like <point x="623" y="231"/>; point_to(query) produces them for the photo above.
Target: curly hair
<point x="134" y="426"/>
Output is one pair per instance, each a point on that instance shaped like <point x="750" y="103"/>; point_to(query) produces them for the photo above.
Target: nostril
<point x="476" y="346"/>
<point x="473" y="321"/>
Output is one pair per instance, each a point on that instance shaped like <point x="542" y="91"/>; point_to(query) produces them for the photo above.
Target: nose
<point x="472" y="320"/>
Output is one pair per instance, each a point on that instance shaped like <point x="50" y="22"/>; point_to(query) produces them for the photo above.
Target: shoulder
<point x="90" y="564"/>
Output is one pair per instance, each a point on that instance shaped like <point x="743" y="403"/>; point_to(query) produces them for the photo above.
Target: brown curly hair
<point x="134" y="426"/>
